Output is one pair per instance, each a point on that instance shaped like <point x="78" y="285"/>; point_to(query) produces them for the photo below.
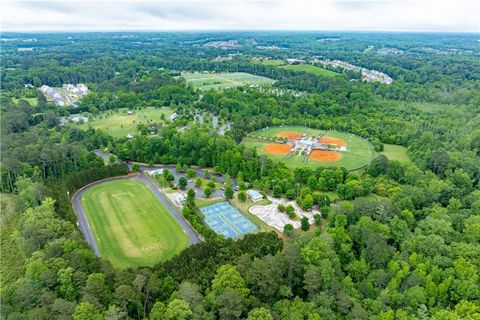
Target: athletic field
<point x="130" y="226"/>
<point x="119" y="124"/>
<point x="311" y="69"/>
<point x="359" y="152"/>
<point x="225" y="219"/>
<point x="225" y="80"/>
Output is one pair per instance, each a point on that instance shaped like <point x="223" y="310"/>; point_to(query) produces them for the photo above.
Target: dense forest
<point x="397" y="240"/>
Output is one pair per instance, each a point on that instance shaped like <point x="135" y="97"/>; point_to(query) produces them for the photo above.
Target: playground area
<point x="225" y="219"/>
<point x="276" y="219"/>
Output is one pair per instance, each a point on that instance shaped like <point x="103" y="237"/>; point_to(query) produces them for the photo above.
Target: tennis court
<point x="225" y="219"/>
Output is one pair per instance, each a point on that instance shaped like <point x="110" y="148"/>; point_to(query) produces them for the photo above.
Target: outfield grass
<point x="394" y="152"/>
<point x="130" y="226"/>
<point x="311" y="69"/>
<point x="119" y="124"/>
<point x="359" y="151"/>
<point x="225" y="80"/>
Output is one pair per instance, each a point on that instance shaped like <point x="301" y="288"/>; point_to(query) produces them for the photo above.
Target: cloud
<point x="370" y="15"/>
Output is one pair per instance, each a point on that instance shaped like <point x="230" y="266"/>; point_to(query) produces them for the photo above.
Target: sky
<point x="324" y="15"/>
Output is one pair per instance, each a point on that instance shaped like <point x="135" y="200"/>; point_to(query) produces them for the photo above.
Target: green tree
<point x="182" y="182"/>
<point x="242" y="196"/>
<point x="288" y="229"/>
<point x="259" y="314"/>
<point x="158" y="311"/>
<point x="86" y="311"/>
<point x="207" y="191"/>
<point x="290" y="211"/>
<point x="304" y="223"/>
<point x="229" y="192"/>
<point x="178" y="309"/>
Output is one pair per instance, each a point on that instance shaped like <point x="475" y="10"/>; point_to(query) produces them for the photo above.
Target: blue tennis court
<point x="225" y="219"/>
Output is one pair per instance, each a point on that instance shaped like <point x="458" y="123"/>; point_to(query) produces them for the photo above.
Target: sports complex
<point x="129" y="225"/>
<point x="299" y="146"/>
<point x="225" y="219"/>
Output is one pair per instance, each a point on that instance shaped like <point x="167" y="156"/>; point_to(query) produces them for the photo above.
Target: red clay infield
<point x="289" y="135"/>
<point x="331" y="140"/>
<point x="325" y="155"/>
<point x="277" y="148"/>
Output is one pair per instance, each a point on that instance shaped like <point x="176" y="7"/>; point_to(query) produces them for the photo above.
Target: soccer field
<point x="359" y="151"/>
<point x="130" y="226"/>
<point x="225" y="80"/>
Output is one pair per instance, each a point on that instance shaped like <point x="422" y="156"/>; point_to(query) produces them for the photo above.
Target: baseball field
<point x="130" y="226"/>
<point x="347" y="150"/>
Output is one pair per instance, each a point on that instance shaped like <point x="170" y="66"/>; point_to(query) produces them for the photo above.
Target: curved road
<point x="84" y="226"/>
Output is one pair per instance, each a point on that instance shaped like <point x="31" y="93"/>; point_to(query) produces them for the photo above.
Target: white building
<point x="254" y="195"/>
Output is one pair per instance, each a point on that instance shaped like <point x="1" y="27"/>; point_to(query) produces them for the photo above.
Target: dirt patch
<point x="289" y="135"/>
<point x="277" y="148"/>
<point x="331" y="140"/>
<point x="325" y="156"/>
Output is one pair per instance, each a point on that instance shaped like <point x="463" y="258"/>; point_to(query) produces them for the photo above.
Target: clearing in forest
<point x="131" y="227"/>
<point x="119" y="123"/>
<point x="225" y="80"/>
<point x="311" y="69"/>
<point x="298" y="146"/>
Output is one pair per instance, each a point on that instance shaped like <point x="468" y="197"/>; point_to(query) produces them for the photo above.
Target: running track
<point x="84" y="226"/>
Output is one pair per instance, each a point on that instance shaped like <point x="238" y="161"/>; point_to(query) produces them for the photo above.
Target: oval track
<point x="84" y="226"/>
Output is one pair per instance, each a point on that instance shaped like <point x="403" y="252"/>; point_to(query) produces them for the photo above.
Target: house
<point x="79" y="119"/>
<point x="254" y="195"/>
<point x="174" y="116"/>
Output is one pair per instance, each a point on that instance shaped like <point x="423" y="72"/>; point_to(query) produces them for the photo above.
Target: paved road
<point x="84" y="226"/>
<point x="200" y="172"/>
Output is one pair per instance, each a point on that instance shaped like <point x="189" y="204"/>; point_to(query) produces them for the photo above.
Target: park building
<point x="254" y="195"/>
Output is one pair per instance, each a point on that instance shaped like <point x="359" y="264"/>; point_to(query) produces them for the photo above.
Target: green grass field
<point x="226" y="80"/>
<point x="394" y="152"/>
<point x="311" y="69"/>
<point x="119" y="124"/>
<point x="130" y="226"/>
<point x="32" y="101"/>
<point x="359" y="151"/>
<point x="272" y="62"/>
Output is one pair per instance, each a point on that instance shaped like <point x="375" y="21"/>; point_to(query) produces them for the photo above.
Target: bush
<point x="242" y="196"/>
<point x="288" y="229"/>
<point x="291" y="211"/>
<point x="281" y="207"/>
<point x="304" y="223"/>
<point x="318" y="219"/>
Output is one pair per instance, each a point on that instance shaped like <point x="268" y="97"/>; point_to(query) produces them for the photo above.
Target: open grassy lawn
<point x="359" y="151"/>
<point x="130" y="226"/>
<point x="394" y="152"/>
<point x="119" y="124"/>
<point x="311" y="69"/>
<point x="32" y="101"/>
<point x="224" y="80"/>
<point x="272" y="62"/>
